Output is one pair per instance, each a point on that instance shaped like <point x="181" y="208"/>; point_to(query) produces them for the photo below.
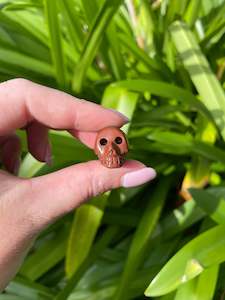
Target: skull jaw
<point x="112" y="161"/>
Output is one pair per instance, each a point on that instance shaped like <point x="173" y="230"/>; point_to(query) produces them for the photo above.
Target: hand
<point x="27" y="206"/>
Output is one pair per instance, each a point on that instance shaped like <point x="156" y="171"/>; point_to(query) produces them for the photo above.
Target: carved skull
<point x="111" y="147"/>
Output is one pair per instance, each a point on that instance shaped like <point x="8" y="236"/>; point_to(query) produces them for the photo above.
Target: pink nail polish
<point x="138" y="177"/>
<point x="125" y="118"/>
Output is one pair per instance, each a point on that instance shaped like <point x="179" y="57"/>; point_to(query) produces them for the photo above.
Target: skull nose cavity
<point x="115" y="148"/>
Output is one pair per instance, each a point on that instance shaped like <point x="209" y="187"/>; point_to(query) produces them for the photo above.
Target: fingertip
<point x="136" y="174"/>
<point x="124" y="118"/>
<point x="138" y="177"/>
<point x="38" y="142"/>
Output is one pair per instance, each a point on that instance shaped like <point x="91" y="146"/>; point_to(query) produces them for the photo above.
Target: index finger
<point x="23" y="101"/>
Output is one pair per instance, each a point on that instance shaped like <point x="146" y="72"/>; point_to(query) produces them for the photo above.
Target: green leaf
<point x="163" y="89"/>
<point x="15" y="58"/>
<point x="212" y="205"/>
<point x="73" y="22"/>
<point x="209" y="151"/>
<point x="157" y="69"/>
<point x="178" y="220"/>
<point x="90" y="10"/>
<point x="217" y="18"/>
<point x="141" y="240"/>
<point x="121" y="100"/>
<point x="95" y="252"/>
<point x="176" y="143"/>
<point x="24" y="24"/>
<point x="51" y="11"/>
<point x="46" y="257"/>
<point x="29" y="166"/>
<point x="28" y="289"/>
<point x="89" y="51"/>
<point x="192" y="12"/>
<point x="201" y="287"/>
<point x="114" y="52"/>
<point x="10" y="297"/>
<point x="84" y="228"/>
<point x="204" y="251"/>
<point x="206" y="83"/>
<point x="108" y="50"/>
<point x="122" y="216"/>
<point x="175" y="7"/>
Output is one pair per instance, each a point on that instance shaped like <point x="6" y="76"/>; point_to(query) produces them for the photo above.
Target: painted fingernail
<point x="138" y="177"/>
<point x="125" y="118"/>
<point x="48" y="155"/>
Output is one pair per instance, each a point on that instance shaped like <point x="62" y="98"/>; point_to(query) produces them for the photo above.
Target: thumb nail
<point x="138" y="177"/>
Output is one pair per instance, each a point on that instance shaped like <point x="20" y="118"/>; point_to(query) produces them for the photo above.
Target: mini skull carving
<point x="111" y="147"/>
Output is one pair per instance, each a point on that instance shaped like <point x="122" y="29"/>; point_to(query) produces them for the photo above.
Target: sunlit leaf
<point x="199" y="254"/>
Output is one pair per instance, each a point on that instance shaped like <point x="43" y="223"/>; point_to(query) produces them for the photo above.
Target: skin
<point x="27" y="206"/>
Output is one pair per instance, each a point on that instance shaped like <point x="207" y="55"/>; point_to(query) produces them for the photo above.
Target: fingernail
<point x="138" y="177"/>
<point x="48" y="155"/>
<point x="16" y="166"/>
<point x="125" y="118"/>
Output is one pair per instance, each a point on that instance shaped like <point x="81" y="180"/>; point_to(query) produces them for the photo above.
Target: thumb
<point x="56" y="194"/>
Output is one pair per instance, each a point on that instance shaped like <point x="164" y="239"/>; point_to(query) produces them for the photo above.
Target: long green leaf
<point x="73" y="22"/>
<point x="28" y="289"/>
<point x="30" y="166"/>
<point x="192" y="12"/>
<point x="178" y="220"/>
<point x="206" y="250"/>
<point x="86" y="223"/>
<point x="51" y="11"/>
<point x="15" y="58"/>
<point x="95" y="252"/>
<point x="46" y="257"/>
<point x="105" y="15"/>
<point x="153" y="65"/>
<point x="142" y="236"/>
<point x="206" y="83"/>
<point x="212" y="205"/>
<point x="163" y="89"/>
<point x="201" y="287"/>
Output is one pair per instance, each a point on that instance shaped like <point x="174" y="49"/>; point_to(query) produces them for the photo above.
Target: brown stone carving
<point x="111" y="147"/>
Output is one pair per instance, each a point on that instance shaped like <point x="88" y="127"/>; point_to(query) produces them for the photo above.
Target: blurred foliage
<point x="162" y="63"/>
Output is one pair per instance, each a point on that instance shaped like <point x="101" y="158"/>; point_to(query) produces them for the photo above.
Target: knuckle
<point x="97" y="186"/>
<point x="97" y="183"/>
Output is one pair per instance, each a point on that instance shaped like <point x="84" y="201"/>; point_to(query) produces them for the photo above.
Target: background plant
<point x="162" y="64"/>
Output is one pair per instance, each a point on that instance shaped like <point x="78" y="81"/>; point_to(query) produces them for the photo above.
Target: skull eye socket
<point x="118" y="140"/>
<point x="103" y="141"/>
